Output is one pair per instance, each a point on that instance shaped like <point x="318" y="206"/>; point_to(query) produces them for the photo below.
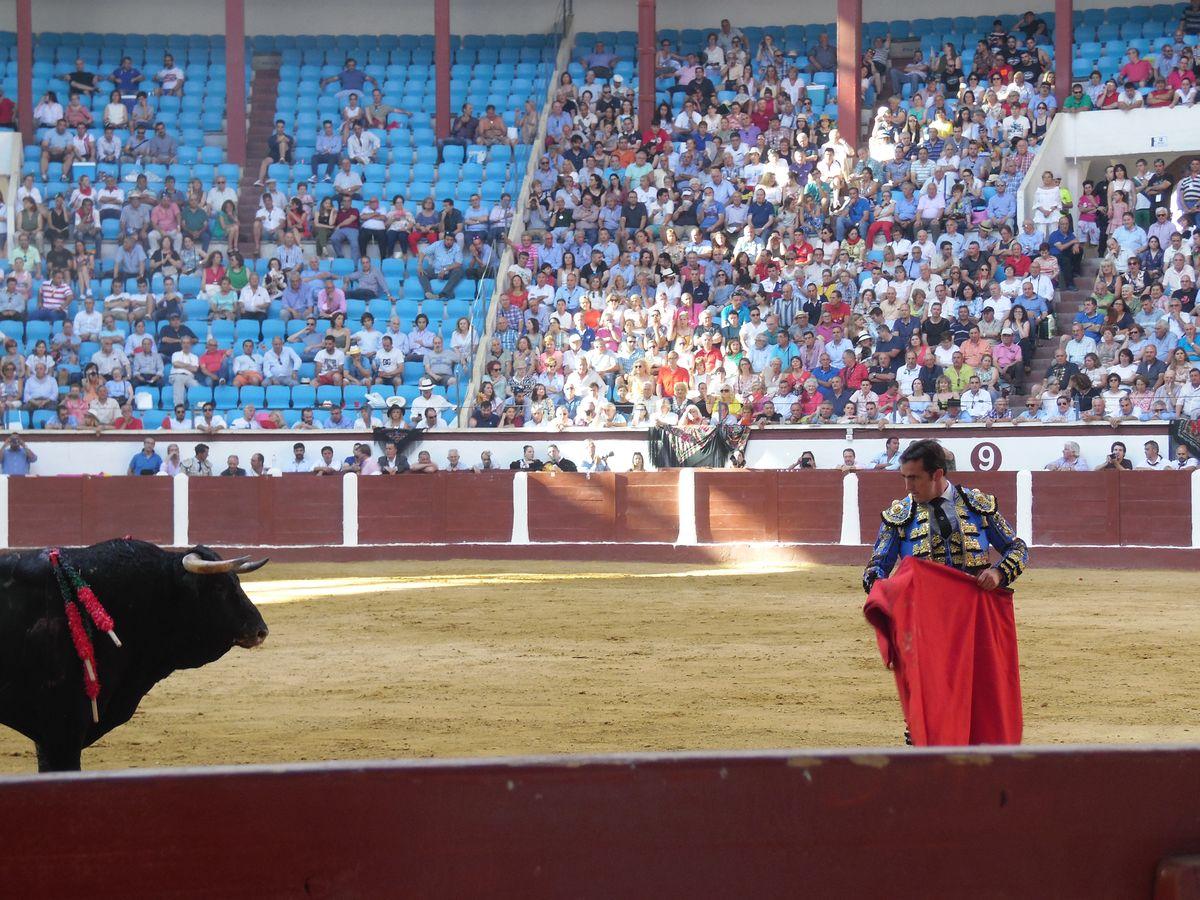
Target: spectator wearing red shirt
<point x="8" y="112"/>
<point x="853" y="373"/>
<point x="670" y="375"/>
<point x="711" y="354"/>
<point x="127" y="421"/>
<point x="1137" y="70"/>
<point x="838" y="309"/>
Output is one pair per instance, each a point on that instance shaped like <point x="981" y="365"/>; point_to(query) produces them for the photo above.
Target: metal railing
<point x="565" y="30"/>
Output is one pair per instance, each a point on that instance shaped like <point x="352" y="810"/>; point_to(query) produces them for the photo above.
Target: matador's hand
<point x="988" y="579"/>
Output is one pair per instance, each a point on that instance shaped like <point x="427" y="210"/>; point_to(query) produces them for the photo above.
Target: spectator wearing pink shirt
<point x="331" y="300"/>
<point x="165" y="222"/>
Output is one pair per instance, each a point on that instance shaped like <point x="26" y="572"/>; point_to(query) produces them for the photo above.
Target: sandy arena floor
<point x="471" y="659"/>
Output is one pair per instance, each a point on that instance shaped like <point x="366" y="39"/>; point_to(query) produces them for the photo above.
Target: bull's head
<point x="224" y="606"/>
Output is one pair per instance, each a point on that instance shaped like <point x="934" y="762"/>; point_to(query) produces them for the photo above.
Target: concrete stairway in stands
<point x="1069" y="301"/>
<point x="264" y="90"/>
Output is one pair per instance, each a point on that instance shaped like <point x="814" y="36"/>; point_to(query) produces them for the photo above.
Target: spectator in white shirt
<point x="254" y="301"/>
<point x="247" y="366"/>
<point x="362" y="146"/>
<point x="976" y="402"/>
<point x="209" y="422"/>
<point x="247" y="421"/>
<point x="88" y="321"/>
<point x="267" y="222"/>
<point x="280" y="364"/>
<point x="184" y="366"/>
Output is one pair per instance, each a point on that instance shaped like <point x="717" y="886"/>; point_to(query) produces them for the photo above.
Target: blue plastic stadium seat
<point x="328" y="393"/>
<point x="304" y="395"/>
<point x="225" y="396"/>
<point x="199" y="394"/>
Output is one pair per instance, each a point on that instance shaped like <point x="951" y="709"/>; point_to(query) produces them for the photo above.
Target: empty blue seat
<point x="198" y="394"/>
<point x="225" y="396"/>
<point x="253" y="394"/>
<point x="329" y="393"/>
<point x="277" y="396"/>
<point x="303" y="395"/>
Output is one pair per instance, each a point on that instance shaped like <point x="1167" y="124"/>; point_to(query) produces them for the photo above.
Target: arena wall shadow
<point x="1019" y="823"/>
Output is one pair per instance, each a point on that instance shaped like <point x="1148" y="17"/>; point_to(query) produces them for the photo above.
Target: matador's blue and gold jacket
<point x="908" y="530"/>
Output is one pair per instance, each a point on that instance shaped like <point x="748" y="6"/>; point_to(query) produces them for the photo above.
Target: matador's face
<point x="924" y="486"/>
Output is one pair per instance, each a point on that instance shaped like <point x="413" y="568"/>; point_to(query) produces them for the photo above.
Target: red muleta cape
<point x="953" y="649"/>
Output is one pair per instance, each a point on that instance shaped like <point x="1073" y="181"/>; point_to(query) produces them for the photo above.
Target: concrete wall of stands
<point x="467" y="16"/>
<point x="1003" y="822"/>
<point x="685" y="507"/>
<point x="976" y="448"/>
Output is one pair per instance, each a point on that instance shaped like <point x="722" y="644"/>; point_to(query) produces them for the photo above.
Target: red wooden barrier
<point x="809" y="506"/>
<point x="71" y="511"/>
<point x="442" y="507"/>
<point x="1001" y="823"/>
<point x="734" y="506"/>
<point x="44" y="512"/>
<point x="1104" y="508"/>
<point x="248" y="512"/>
<point x="1155" y="508"/>
<point x="876" y="491"/>
<point x="572" y="507"/>
<point x="647" y="507"/>
<point x="1076" y="508"/>
<point x="139" y="506"/>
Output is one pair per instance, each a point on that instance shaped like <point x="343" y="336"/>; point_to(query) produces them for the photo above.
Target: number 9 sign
<point x="986" y="457"/>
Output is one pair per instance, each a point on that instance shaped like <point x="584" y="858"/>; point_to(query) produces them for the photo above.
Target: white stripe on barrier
<point x="4" y="511"/>
<point x="687" y="508"/>
<point x="349" y="510"/>
<point x="520" y="526"/>
<point x="1196" y="508"/>
<point x="1024" y="510"/>
<point x="851" y="528"/>
<point x="181" y="511"/>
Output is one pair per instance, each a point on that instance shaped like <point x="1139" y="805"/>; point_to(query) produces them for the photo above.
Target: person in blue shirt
<point x="441" y="260"/>
<point x="855" y="214"/>
<point x="889" y="459"/>
<point x="1090" y="318"/>
<point x="784" y="350"/>
<point x="1002" y="207"/>
<point x="16" y="458"/>
<point x="734" y="315"/>
<point x="1030" y="238"/>
<point x="906" y="208"/>
<point x="891" y="344"/>
<point x="825" y="372"/>
<point x="1032" y="412"/>
<point x="952" y="236"/>
<point x="1034" y="305"/>
<point x="761" y="213"/>
<point x="1130" y="236"/>
<point x="837" y="394"/>
<point x="127" y="78"/>
<point x="351" y="80"/>
<point x="58" y="146"/>
<point x="147" y="462"/>
<point x="1066" y="248"/>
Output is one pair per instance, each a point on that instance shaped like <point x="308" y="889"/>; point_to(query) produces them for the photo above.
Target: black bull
<point x="170" y="610"/>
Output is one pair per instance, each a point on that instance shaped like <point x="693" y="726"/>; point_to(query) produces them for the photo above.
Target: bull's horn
<point x="254" y="566"/>
<point x="193" y="563"/>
